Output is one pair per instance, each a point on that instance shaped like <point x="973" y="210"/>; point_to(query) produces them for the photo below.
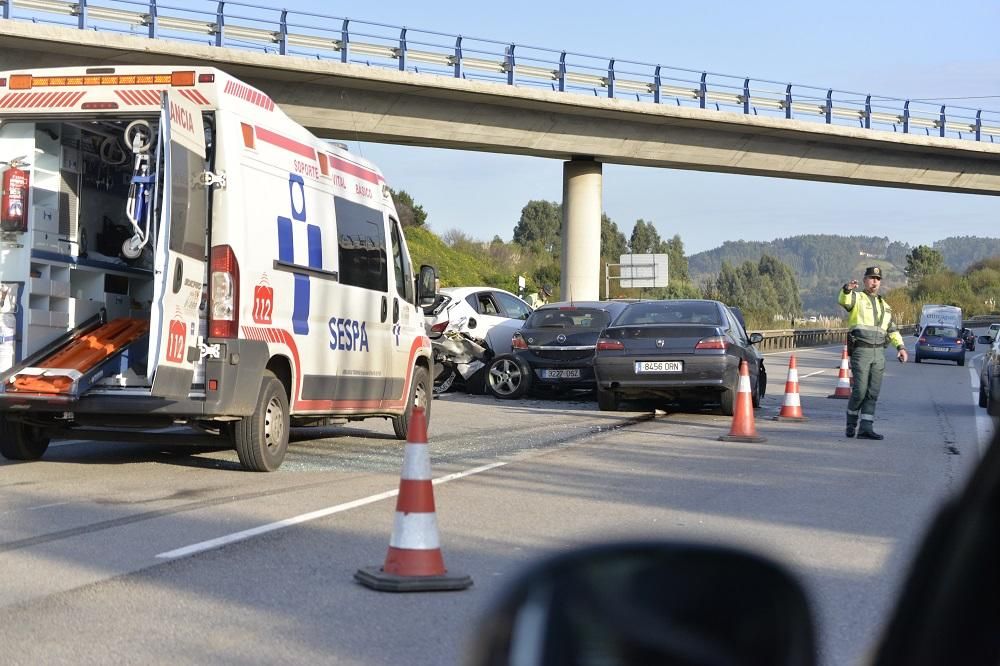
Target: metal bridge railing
<point x="284" y="32"/>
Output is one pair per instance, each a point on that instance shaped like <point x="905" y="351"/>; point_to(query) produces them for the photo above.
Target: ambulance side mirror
<point x="426" y="281"/>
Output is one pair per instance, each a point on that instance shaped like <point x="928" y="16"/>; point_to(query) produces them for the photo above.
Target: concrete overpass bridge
<point x="469" y="94"/>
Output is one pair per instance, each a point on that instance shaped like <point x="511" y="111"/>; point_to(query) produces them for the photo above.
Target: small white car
<point x="485" y="313"/>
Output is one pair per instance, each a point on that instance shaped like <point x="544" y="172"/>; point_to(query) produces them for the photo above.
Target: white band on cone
<point x="415" y="531"/>
<point x="792" y="400"/>
<point x="416" y="463"/>
<point x="793" y="375"/>
<point x="744" y="386"/>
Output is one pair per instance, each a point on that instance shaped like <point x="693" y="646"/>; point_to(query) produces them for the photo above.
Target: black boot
<point x="869" y="434"/>
<point x="850" y="431"/>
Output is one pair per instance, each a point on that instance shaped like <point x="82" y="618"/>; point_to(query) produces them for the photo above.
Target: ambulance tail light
<point x="224" y="319"/>
<point x="439" y="328"/>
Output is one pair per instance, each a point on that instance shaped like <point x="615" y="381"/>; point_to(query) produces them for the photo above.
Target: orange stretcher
<point x="60" y="372"/>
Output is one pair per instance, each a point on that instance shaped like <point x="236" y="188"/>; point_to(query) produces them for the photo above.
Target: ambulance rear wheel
<point x="20" y="441"/>
<point x="261" y="439"/>
<point x="420" y="396"/>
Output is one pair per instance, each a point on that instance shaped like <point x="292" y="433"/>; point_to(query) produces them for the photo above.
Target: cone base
<point x="742" y="438"/>
<point x="377" y="579"/>
<point x="779" y="417"/>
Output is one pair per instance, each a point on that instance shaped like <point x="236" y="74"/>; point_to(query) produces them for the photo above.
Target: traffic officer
<point x="871" y="327"/>
<point x="536" y="300"/>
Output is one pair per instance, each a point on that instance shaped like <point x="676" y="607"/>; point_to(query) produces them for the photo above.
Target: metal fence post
<point x="746" y="96"/>
<point x="611" y="78"/>
<point x="283" y="33"/>
<point x="345" y="39"/>
<point x="657" y="82"/>
<point x="943" y="122"/>
<point x="509" y="64"/>
<point x="703" y="90"/>
<point x="788" y="101"/>
<point x="562" y="72"/>
<point x="868" y="112"/>
<point x="81" y="14"/>
<point x="829" y="106"/>
<point x="906" y="117"/>
<point x="220" y="24"/>
<point x="402" y="50"/>
<point x="153" y="20"/>
<point x="979" y="125"/>
<point x="458" y="57"/>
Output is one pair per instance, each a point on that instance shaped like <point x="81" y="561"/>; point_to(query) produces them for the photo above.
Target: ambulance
<point x="176" y="253"/>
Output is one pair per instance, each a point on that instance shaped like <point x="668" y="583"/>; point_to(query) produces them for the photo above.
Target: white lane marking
<point x="818" y="372"/>
<point x="218" y="542"/>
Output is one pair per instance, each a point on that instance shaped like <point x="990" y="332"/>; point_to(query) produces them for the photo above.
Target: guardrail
<point x="784" y="339"/>
<point x="285" y="32"/>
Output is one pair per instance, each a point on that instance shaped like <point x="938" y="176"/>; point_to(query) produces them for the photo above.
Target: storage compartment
<point x="69" y="262"/>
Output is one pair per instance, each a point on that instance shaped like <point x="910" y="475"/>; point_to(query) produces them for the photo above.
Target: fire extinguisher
<point x="14" y="201"/>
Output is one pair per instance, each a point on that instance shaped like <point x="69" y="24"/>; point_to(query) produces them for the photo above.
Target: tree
<point x="677" y="263"/>
<point x="613" y="243"/>
<point x="645" y="239"/>
<point x="410" y="214"/>
<point x="540" y="226"/>
<point x="923" y="262"/>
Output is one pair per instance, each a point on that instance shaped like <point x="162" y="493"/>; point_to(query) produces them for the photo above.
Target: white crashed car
<point x="485" y="313"/>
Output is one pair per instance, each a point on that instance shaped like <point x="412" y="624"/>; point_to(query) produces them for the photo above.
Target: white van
<point x="176" y="250"/>
<point x="940" y="315"/>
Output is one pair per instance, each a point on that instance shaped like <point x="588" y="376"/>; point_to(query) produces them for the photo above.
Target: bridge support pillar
<point x="581" y="230"/>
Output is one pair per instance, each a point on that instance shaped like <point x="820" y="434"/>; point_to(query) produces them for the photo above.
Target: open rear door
<point x="180" y="254"/>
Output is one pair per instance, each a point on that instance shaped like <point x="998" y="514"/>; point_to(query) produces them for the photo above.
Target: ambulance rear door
<point x="180" y="254"/>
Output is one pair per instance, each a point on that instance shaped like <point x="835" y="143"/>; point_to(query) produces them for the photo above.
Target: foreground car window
<point x="669" y="312"/>
<point x="581" y="318"/>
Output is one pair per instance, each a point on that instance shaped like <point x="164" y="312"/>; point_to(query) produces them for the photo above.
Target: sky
<point x="917" y="50"/>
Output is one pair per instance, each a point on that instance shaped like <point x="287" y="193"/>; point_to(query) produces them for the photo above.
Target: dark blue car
<point x="944" y="343"/>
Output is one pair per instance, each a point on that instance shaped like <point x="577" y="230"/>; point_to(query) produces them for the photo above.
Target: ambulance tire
<point x="420" y="394"/>
<point x="20" y="441"/>
<point x="261" y="439"/>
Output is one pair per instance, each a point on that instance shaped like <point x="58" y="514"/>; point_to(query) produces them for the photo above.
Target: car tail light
<point x="439" y="327"/>
<point x="607" y="344"/>
<point x="960" y="341"/>
<point x="517" y="342"/>
<point x="714" y="342"/>
<point x="224" y="318"/>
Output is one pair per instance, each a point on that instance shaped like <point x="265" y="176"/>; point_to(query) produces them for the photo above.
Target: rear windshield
<point x="670" y="312"/>
<point x="581" y="318"/>
<point x="942" y="331"/>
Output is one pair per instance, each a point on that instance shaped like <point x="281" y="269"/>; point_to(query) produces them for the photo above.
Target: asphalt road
<point x="131" y="553"/>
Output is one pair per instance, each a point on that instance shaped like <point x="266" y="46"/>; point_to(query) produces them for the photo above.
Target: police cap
<point x="873" y="271"/>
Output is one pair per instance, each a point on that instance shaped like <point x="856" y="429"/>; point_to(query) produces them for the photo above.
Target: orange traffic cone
<point x="414" y="562"/>
<point x="843" y="389"/>
<point x="743" y="429"/>
<point x="792" y="409"/>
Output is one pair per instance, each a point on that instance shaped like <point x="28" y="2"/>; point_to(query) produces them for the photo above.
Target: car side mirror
<point x="649" y="603"/>
<point x="471" y="324"/>
<point x="426" y="286"/>
<point x="756" y="337"/>
<point x="984" y="340"/>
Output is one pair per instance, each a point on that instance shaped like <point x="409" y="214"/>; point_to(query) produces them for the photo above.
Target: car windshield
<point x="942" y="331"/>
<point x="671" y="312"/>
<point x="583" y="318"/>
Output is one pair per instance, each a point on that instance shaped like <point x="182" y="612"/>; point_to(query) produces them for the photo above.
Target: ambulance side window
<point x="188" y="203"/>
<point x="401" y="263"/>
<point x="361" y="245"/>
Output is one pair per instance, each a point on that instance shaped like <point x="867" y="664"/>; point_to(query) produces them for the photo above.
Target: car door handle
<point x="385" y="308"/>
<point x="395" y="310"/>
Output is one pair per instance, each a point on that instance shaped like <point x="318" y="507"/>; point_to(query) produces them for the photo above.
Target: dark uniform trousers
<point x="867" y="366"/>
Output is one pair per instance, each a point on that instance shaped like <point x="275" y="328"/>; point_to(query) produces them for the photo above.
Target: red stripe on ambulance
<point x="291" y="145"/>
<point x="355" y="170"/>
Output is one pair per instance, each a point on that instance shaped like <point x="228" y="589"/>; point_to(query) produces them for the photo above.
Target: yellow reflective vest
<point x="870" y="319"/>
